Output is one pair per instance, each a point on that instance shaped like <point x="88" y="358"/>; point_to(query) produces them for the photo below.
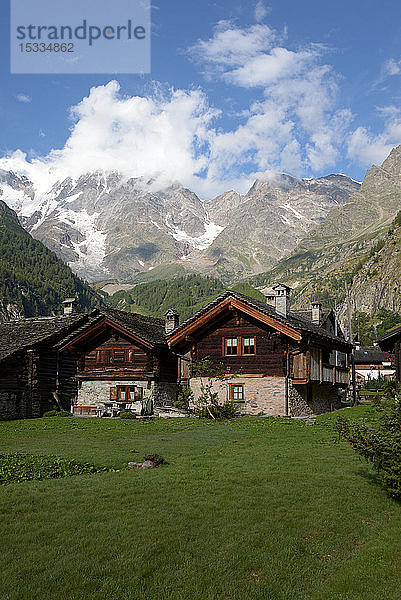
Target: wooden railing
<point x="308" y="368"/>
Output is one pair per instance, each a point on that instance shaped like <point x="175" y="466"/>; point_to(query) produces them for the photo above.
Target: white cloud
<point x="369" y="148"/>
<point x="164" y="137"/>
<point x="24" y="98"/>
<point x="261" y="11"/>
<point x="296" y="124"/>
<point x="293" y="124"/>
<point x="392" y="67"/>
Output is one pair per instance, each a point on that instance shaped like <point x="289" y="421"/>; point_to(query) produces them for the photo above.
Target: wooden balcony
<point x="309" y="368"/>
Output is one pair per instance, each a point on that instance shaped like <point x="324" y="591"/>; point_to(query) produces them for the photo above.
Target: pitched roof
<point x="57" y="331"/>
<point x="306" y="314"/>
<point x="150" y="329"/>
<point x="27" y="333"/>
<point x="292" y="319"/>
<point x="393" y="332"/>
<point x="371" y="354"/>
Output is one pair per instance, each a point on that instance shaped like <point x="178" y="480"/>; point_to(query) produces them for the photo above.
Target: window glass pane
<point x="249" y="345"/>
<point x="132" y="393"/>
<point x="122" y="393"/>
<point x="231" y="345"/>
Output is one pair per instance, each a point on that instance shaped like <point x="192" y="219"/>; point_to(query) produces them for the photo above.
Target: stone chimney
<point x="172" y="319"/>
<point x="316" y="313"/>
<point x="70" y="306"/>
<point x="271" y="299"/>
<point x="282" y="299"/>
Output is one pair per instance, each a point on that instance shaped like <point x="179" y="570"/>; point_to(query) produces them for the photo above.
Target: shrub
<point x="184" y="398"/>
<point x="380" y="441"/>
<point x="50" y="413"/>
<point x="57" y="413"/>
<point x="228" y="410"/>
<point x="127" y="415"/>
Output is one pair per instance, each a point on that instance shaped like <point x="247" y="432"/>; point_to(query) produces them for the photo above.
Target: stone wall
<point x="261" y="394"/>
<point x="308" y="400"/>
<point x="164" y="393"/>
<point x="96" y="394"/>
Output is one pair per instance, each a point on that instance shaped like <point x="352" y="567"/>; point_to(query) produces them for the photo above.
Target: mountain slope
<point x="269" y="221"/>
<point x="332" y="253"/>
<point x="33" y="281"/>
<point x="106" y="226"/>
<point x="377" y="283"/>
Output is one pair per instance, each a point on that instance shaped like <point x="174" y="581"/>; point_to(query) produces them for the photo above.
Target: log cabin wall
<point x="270" y="347"/>
<point x="13" y="388"/>
<point x="67" y="388"/>
<point x="116" y="357"/>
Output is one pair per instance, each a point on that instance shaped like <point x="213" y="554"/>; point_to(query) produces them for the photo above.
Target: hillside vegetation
<point x="186" y="295"/>
<point x="33" y="280"/>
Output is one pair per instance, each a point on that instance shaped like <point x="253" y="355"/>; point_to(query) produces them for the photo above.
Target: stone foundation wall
<point x="319" y="399"/>
<point x="96" y="394"/>
<point x="261" y="394"/>
<point x="164" y="393"/>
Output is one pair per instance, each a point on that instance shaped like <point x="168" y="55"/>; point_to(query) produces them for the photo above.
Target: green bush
<point x="380" y="441"/>
<point x="184" y="398"/>
<point x="51" y="413"/>
<point x="16" y="467"/>
<point x="228" y="410"/>
<point x="126" y="414"/>
<point x="57" y="413"/>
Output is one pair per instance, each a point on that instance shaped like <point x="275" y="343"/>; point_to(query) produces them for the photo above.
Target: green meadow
<point x="254" y="508"/>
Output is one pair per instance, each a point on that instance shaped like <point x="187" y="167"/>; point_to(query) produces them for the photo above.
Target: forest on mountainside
<point x="186" y="295"/>
<point x="33" y="280"/>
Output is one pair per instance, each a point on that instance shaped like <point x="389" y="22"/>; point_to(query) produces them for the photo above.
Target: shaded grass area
<point x="19" y="467"/>
<point x="253" y="508"/>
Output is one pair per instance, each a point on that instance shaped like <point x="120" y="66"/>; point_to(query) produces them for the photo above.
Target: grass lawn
<point x="256" y="508"/>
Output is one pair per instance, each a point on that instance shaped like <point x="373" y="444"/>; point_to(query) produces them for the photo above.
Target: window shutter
<point x="113" y="394"/>
<point x="138" y="394"/>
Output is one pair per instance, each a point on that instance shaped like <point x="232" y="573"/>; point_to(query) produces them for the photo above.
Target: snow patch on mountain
<point x="92" y="250"/>
<point x="201" y="242"/>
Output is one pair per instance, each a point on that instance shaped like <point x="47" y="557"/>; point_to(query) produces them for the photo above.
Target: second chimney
<point x="316" y="313"/>
<point x="172" y="319"/>
<point x="70" y="306"/>
<point x="282" y="299"/>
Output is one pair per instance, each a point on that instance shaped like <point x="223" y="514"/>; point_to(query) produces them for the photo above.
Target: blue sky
<point x="237" y="90"/>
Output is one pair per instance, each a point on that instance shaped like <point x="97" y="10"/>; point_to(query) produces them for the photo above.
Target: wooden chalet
<point x="276" y="361"/>
<point x="391" y="342"/>
<point x="123" y="362"/>
<point x="97" y="364"/>
<point x="33" y="376"/>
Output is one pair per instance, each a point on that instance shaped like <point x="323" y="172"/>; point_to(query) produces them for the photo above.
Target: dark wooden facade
<point x="269" y="351"/>
<point x="45" y="361"/>
<point x="280" y="348"/>
<point x="272" y="363"/>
